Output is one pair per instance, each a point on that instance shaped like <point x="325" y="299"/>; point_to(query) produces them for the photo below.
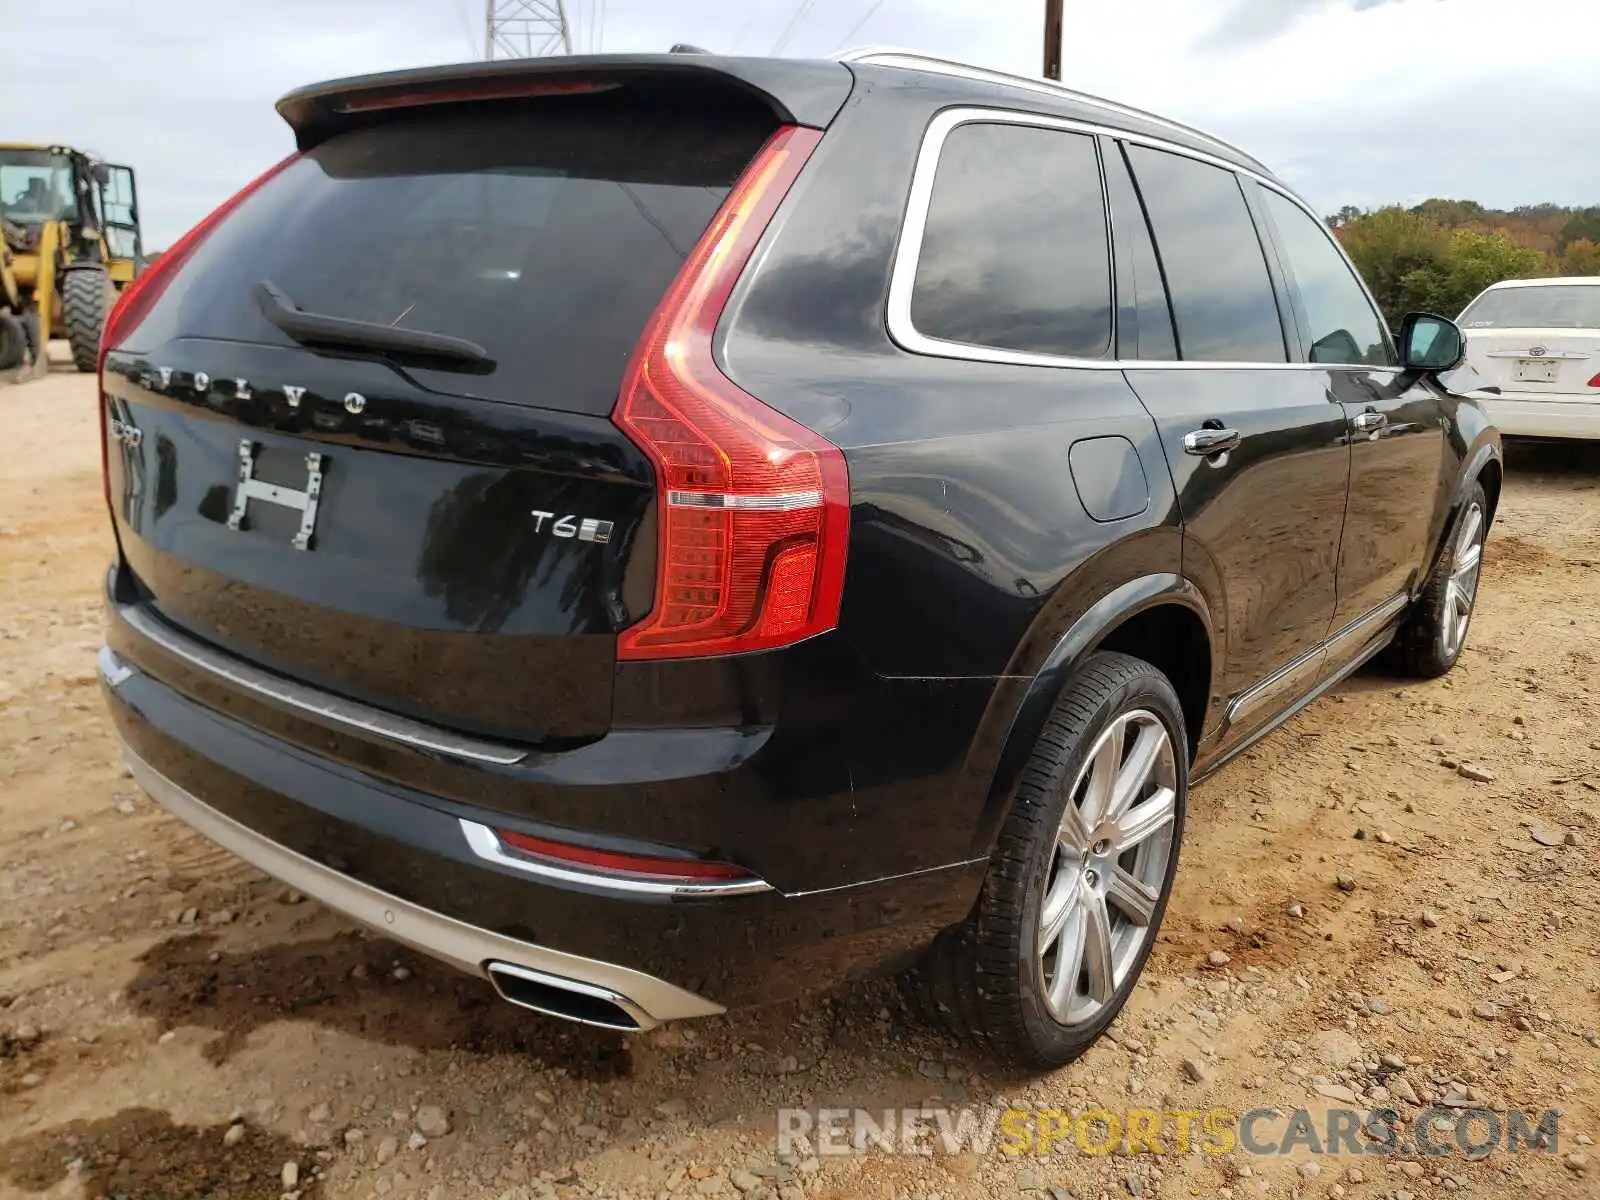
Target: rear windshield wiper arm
<point x="320" y="329"/>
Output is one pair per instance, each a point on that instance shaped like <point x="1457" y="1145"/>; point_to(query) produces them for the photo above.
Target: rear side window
<point x="546" y="231"/>
<point x="1341" y="324"/>
<point x="1216" y="271"/>
<point x="1144" y="320"/>
<point x="1015" y="254"/>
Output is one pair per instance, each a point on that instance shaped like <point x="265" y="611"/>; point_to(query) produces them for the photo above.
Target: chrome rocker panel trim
<point x="1283" y="680"/>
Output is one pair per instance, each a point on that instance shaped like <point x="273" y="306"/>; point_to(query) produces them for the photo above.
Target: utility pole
<point x="525" y="28"/>
<point x="1052" y="39"/>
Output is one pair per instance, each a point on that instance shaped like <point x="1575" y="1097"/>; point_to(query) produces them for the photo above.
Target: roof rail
<point x="912" y="60"/>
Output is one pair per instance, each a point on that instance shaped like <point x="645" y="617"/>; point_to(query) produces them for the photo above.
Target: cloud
<point x="184" y="92"/>
<point x="1248" y="21"/>
<point x="1346" y="106"/>
<point x="1336" y="156"/>
<point x="1332" y="90"/>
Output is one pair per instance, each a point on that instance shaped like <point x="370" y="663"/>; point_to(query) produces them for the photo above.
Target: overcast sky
<point x="1353" y="101"/>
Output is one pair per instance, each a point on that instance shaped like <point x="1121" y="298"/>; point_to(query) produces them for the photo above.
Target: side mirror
<point x="1431" y="343"/>
<point x="101" y="173"/>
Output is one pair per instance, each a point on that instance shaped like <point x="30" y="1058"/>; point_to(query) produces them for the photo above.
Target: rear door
<point x="1256" y="446"/>
<point x="1397" y="422"/>
<point x="457" y="541"/>
<point x="1539" y="341"/>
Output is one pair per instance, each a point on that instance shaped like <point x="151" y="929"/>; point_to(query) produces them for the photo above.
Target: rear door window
<point x="1144" y="322"/>
<point x="1341" y="324"/>
<point x="546" y="231"/>
<point x="1216" y="270"/>
<point x="1015" y="254"/>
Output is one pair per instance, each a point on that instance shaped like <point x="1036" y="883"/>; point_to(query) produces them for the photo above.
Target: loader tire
<point x="30" y="326"/>
<point x="87" y="295"/>
<point x="13" y="342"/>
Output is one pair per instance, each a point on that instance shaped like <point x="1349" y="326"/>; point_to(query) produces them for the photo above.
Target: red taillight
<point x="140" y="296"/>
<point x="754" y="507"/>
<point x="1595" y="382"/>
<point x="629" y="864"/>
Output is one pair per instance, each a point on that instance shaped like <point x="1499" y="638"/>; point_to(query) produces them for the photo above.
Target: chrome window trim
<point x="908" y="252"/>
<point x="486" y="844"/>
<point x="312" y="703"/>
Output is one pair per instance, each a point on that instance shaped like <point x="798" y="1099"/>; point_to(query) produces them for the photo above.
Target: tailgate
<point x="456" y="562"/>
<point x="457" y="541"/>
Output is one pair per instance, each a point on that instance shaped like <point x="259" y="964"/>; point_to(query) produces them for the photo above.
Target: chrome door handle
<point x="1367" y="421"/>
<point x="1206" y="442"/>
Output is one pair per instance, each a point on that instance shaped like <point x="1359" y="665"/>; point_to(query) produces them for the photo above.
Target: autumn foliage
<point x="1437" y="256"/>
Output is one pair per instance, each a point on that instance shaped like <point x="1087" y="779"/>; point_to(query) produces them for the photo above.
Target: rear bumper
<point x="646" y="1000"/>
<point x="1523" y="414"/>
<point x="399" y="861"/>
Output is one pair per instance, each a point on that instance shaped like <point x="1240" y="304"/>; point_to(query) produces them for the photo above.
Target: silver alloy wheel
<point x="1462" y="587"/>
<point x="1110" y="864"/>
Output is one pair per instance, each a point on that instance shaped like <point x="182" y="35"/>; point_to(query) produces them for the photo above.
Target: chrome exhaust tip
<point x="569" y="999"/>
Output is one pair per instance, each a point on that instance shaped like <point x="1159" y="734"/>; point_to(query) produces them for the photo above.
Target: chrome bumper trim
<point x="486" y="844"/>
<point x="322" y="707"/>
<point x="466" y="947"/>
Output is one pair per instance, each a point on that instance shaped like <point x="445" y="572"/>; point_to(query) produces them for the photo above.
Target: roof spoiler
<point x="798" y="92"/>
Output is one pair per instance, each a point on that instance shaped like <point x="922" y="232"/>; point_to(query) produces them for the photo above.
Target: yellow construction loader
<point x="69" y="242"/>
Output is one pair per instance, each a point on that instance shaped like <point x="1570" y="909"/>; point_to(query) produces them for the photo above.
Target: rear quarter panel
<point x="967" y="525"/>
<point x="971" y="552"/>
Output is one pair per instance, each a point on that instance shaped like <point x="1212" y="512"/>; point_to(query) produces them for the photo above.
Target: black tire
<point x="87" y="295"/>
<point x="30" y="326"/>
<point x="13" y="341"/>
<point x="984" y="980"/>
<point x="1423" y="646"/>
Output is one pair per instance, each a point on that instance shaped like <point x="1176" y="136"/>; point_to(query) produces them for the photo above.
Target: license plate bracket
<point x="1537" y="370"/>
<point x="250" y="488"/>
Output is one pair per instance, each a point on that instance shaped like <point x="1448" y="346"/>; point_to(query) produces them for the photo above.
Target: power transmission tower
<point x="1052" y="39"/>
<point x="525" y="28"/>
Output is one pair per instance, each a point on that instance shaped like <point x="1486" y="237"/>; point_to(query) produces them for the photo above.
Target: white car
<point x="1533" y="356"/>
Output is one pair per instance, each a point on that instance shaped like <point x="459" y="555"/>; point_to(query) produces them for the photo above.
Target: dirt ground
<point x="173" y="1024"/>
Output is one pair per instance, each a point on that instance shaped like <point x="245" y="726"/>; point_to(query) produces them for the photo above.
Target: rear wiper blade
<point x="322" y="330"/>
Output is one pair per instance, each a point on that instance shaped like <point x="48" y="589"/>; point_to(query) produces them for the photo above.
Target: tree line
<point x="1437" y="256"/>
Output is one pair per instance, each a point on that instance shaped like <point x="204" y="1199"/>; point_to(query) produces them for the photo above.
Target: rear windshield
<point x="1555" y="306"/>
<point x="546" y="231"/>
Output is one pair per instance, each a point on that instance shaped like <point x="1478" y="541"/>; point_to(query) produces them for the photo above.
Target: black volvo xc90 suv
<point x="668" y="532"/>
